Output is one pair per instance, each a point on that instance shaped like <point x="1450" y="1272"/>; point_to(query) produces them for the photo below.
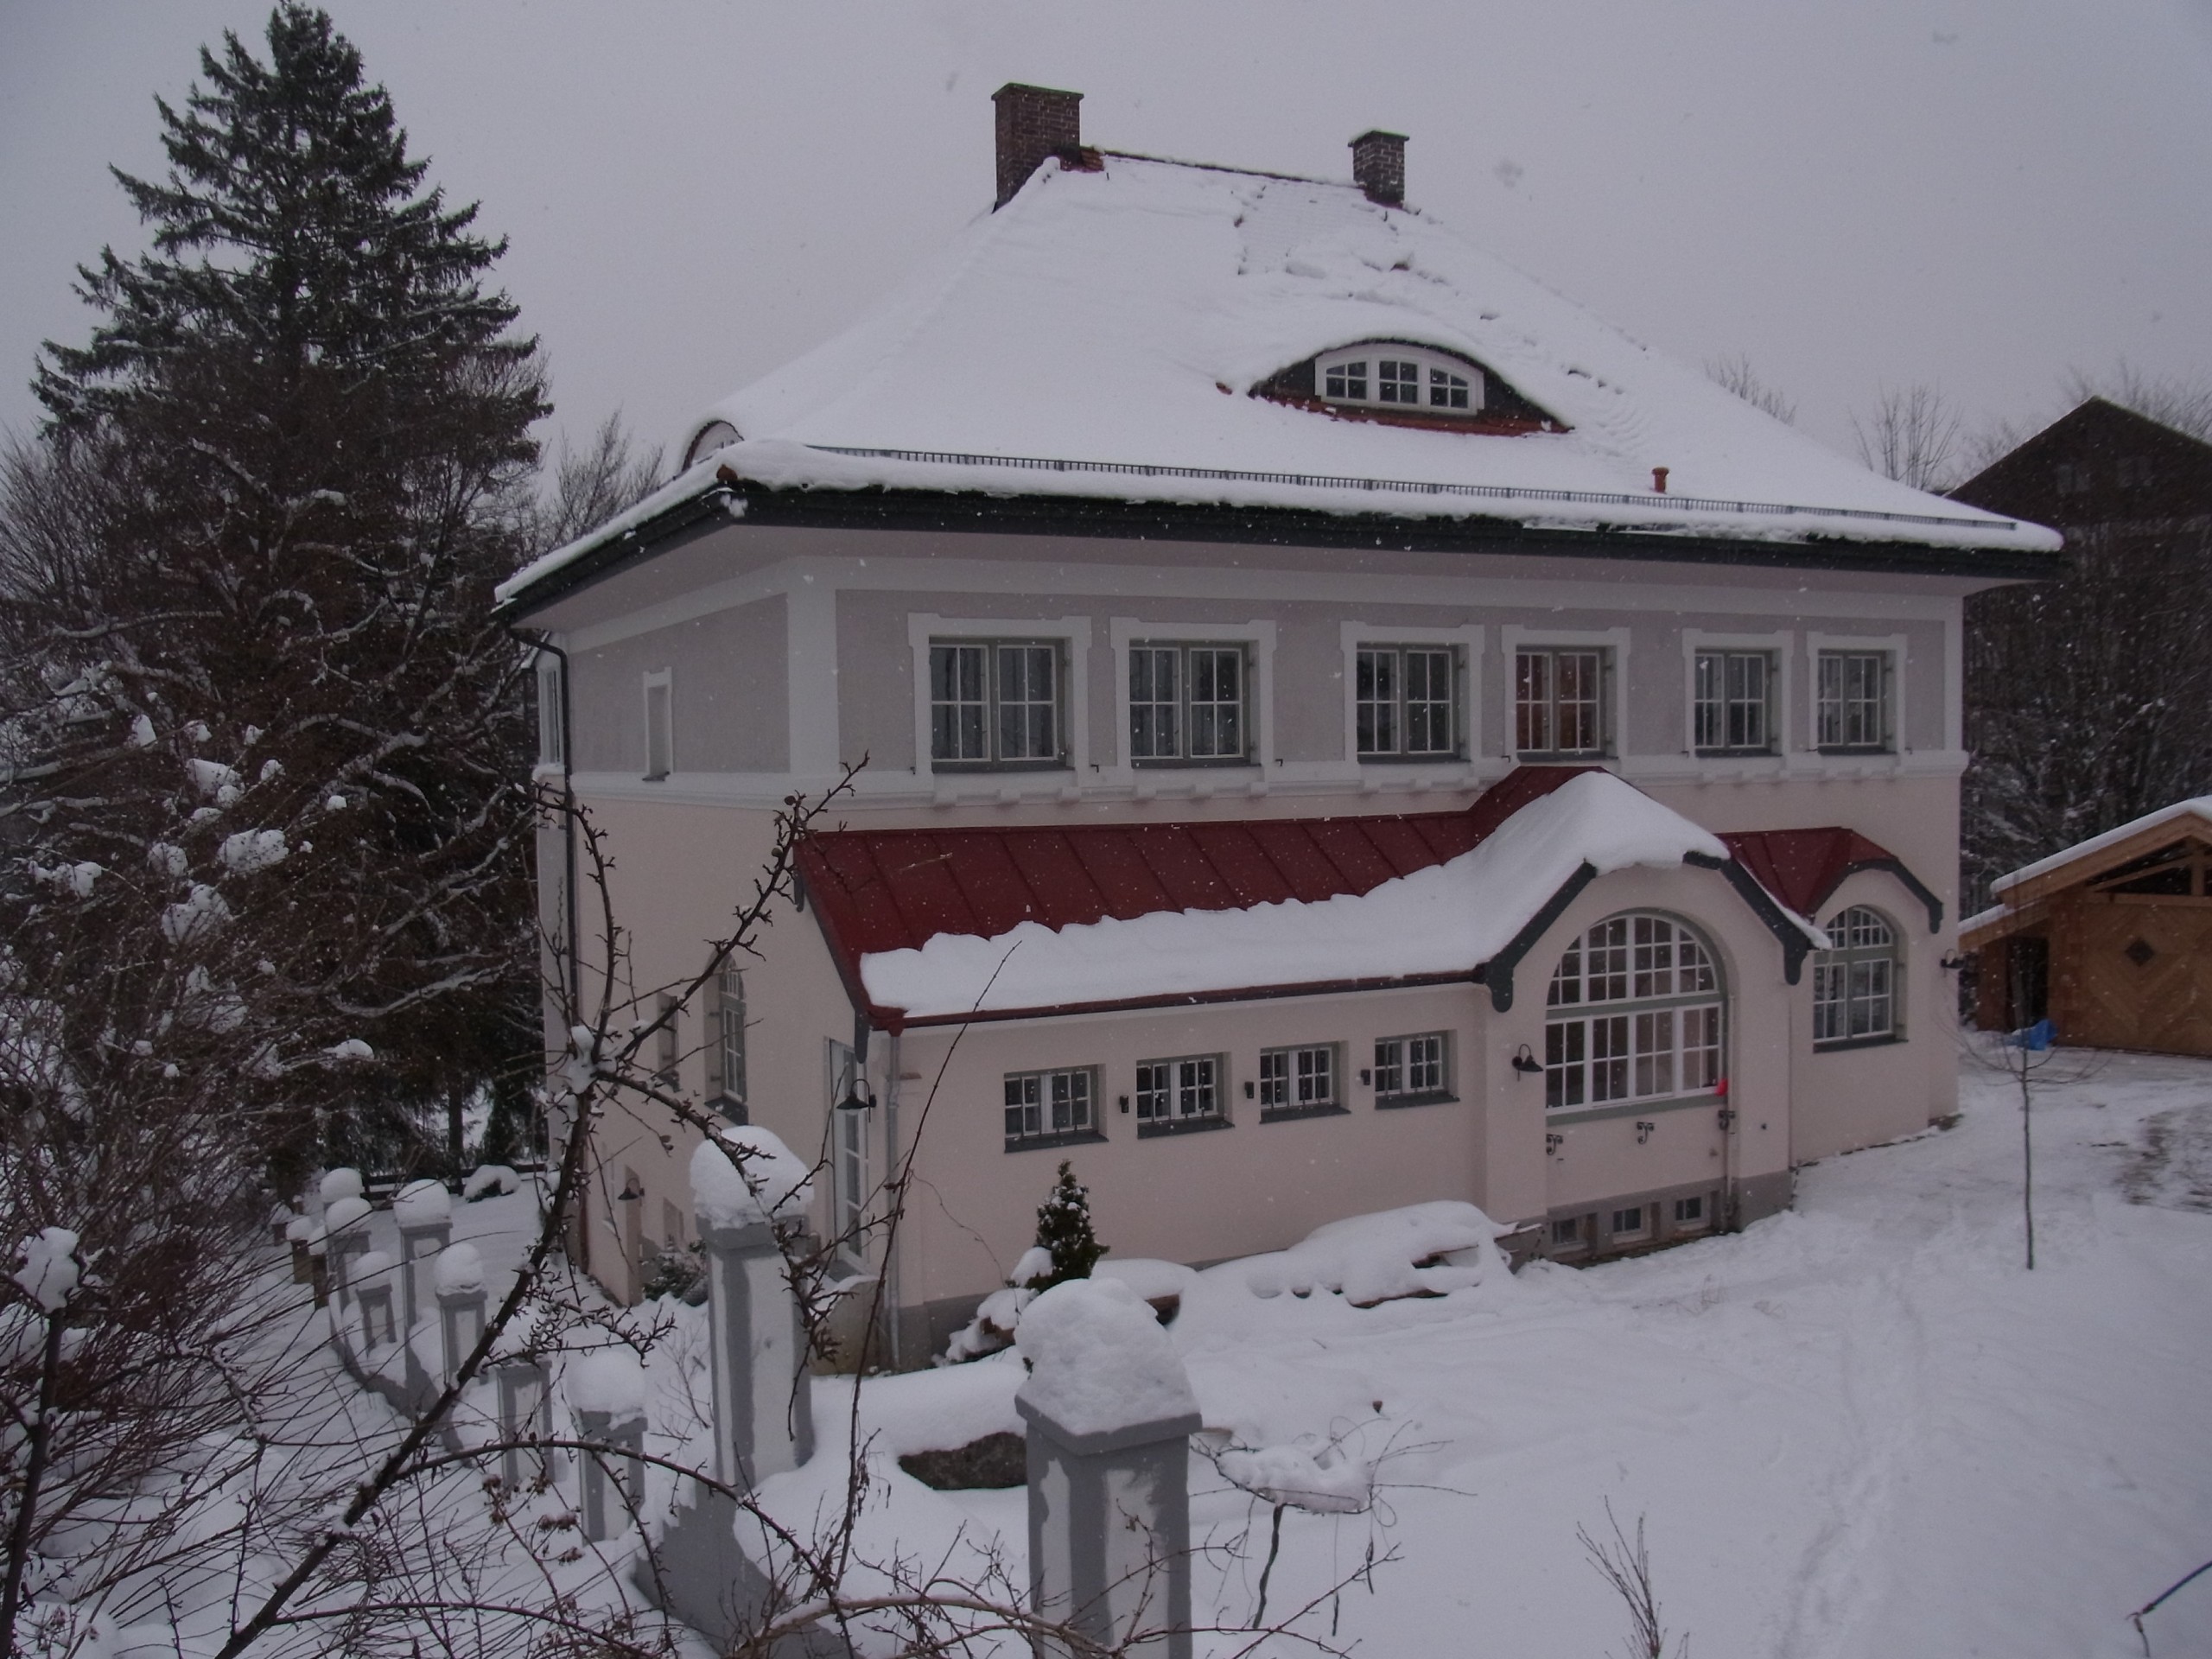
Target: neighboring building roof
<point x="1802" y="867"/>
<point x="1101" y="338"/>
<point x="2099" y="463"/>
<point x="939" y="926"/>
<point x="2020" y="895"/>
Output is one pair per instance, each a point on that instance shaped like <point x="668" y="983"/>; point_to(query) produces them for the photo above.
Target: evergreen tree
<point x="1064" y="1229"/>
<point x="248" y="566"/>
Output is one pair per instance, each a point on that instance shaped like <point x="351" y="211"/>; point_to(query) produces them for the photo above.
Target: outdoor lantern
<point x="857" y="1098"/>
<point x="1525" y="1063"/>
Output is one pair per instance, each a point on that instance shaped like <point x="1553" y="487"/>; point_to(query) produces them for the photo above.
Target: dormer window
<point x="1404" y="377"/>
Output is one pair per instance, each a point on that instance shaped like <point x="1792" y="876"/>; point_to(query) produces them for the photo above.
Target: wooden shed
<point x="2111" y="940"/>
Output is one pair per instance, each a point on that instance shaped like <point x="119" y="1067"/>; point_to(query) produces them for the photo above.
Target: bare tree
<point x="589" y="485"/>
<point x="2172" y="400"/>
<point x="1737" y="374"/>
<point x="1627" y="1568"/>
<point x="1913" y="436"/>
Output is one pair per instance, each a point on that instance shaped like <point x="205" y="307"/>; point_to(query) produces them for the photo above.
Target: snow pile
<point x="998" y="1317"/>
<point x="1309" y="1473"/>
<point x="1152" y="1280"/>
<point x="51" y="1271"/>
<point x="1036" y="1263"/>
<point x="343" y="1213"/>
<point x="460" y="1270"/>
<point x="1099" y="1361"/>
<point x="1423" y="1250"/>
<point x="253" y="849"/>
<point x="422" y="1203"/>
<point x="340" y="1183"/>
<point x="609" y="1380"/>
<point x="751" y="1177"/>
<point x="1446" y="919"/>
<point x="489" y="1181"/>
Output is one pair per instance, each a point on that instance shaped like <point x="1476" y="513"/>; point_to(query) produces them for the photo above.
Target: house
<point x="2110" y="940"/>
<point x="1343" y="729"/>
<point x="2089" y="699"/>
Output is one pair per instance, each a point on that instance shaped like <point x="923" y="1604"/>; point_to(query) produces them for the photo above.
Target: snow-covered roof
<point x="1149" y="914"/>
<point x="2199" y="808"/>
<point x="1101" y="336"/>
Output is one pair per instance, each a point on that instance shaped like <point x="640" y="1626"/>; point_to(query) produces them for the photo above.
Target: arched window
<point x="1633" y="1014"/>
<point x="1391" y="376"/>
<point x="1855" y="984"/>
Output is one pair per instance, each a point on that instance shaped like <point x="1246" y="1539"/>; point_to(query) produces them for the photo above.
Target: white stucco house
<point x="1344" y="727"/>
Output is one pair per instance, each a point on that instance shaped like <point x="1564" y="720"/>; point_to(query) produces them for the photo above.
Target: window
<point x="665" y="1046"/>
<point x="1296" y="1080"/>
<point x="1628" y="1222"/>
<point x="1187" y="703"/>
<point x="849" y="1174"/>
<point x="1051" y="1106"/>
<point x="995" y="703"/>
<point x="2133" y="472"/>
<point x="1178" y="1094"/>
<point x="1734" y="700"/>
<point x="1854" y="984"/>
<point x="1690" y="1213"/>
<point x="726" y="1041"/>
<point x="660" y="747"/>
<point x="1411" y="1069"/>
<point x="1567" y="1234"/>
<point x="1396" y="377"/>
<point x="552" y="744"/>
<point x="1633" y="1015"/>
<point x="1559" y="700"/>
<point x="1405" y="701"/>
<point x="2071" y="479"/>
<point x="1851" y="700"/>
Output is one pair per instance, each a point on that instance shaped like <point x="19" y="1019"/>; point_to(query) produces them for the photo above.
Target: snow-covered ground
<point x="1861" y="1428"/>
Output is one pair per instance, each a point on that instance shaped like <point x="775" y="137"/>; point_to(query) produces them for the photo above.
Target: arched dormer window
<point x="1633" y="1017"/>
<point x="714" y="436"/>
<point x="1399" y="377"/>
<point x="1855" y="983"/>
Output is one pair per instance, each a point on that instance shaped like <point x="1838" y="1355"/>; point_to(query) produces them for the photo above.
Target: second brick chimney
<point x="1378" y="165"/>
<point x="1033" y="123"/>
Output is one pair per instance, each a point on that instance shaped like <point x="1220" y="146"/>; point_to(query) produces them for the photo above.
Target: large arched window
<point x="1633" y="1014"/>
<point x="1855" y="983"/>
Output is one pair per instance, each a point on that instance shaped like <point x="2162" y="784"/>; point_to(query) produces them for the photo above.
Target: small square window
<point x="1347" y="382"/>
<point x="1400" y="381"/>
<point x="1690" y="1213"/>
<point x="1412" y="1069"/>
<point x="1405" y="702"/>
<point x="1733" y="703"/>
<point x="1050" y="1105"/>
<point x="1559" y="700"/>
<point x="1189" y="703"/>
<point x="996" y="702"/>
<point x="1299" y="1079"/>
<point x="1852" y="701"/>
<point x="1629" y="1222"/>
<point x="1566" y="1234"/>
<point x="1178" y="1093"/>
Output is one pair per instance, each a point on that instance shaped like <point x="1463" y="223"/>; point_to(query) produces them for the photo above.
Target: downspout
<point x="890" y="1168"/>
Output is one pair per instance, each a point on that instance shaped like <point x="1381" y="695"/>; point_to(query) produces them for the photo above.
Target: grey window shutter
<point x="711" y="1004"/>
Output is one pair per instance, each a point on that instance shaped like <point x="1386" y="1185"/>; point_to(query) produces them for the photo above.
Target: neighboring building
<point x="2111" y="941"/>
<point x="2089" y="699"/>
<point x="1343" y="729"/>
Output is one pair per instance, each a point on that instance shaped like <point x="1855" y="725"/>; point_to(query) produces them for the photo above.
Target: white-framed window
<point x="1189" y="702"/>
<point x="667" y="1047"/>
<point x="1633" y="1013"/>
<point x="1406" y="701"/>
<point x="1411" y="1069"/>
<point x="997" y="702"/>
<point x="1562" y="699"/>
<point x="1308" y="1078"/>
<point x="1732" y="701"/>
<point x="1855" y="983"/>
<point x="1391" y="376"/>
<point x="1178" y="1093"/>
<point x="849" y="1188"/>
<point x="725" y="1011"/>
<point x="1854" y="701"/>
<point x="1567" y="1233"/>
<point x="1631" y="1221"/>
<point x="552" y="734"/>
<point x="660" y="725"/>
<point x="1050" y="1106"/>
<point x="1690" y="1213"/>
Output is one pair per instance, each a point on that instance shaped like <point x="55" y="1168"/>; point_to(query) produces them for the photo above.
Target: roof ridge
<point x="1224" y="167"/>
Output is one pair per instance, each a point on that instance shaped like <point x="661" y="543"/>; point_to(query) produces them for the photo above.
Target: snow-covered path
<point x="1859" y="1429"/>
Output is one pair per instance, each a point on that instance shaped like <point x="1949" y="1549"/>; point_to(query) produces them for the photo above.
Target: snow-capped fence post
<point x="299" y="1233"/>
<point x="373" y="1292"/>
<point x="345" y="1235"/>
<point x="424" y="1212"/>
<point x="1109" y="1413"/>
<point x="525" y="1415"/>
<point x="608" y="1389"/>
<point x="763" y="1408"/>
<point x="458" y="1280"/>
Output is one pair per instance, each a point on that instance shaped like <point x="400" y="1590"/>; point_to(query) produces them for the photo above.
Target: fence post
<point x="1109" y="1413"/>
<point x="346" y="1231"/>
<point x="424" y="1212"/>
<point x="372" y="1274"/>
<point x="458" y="1279"/>
<point x="608" y="1389"/>
<point x="525" y="1413"/>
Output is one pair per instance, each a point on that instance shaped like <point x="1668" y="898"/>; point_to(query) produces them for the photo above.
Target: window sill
<point x="1431" y="1097"/>
<point x="1856" y="750"/>
<point x="1737" y="754"/>
<point x="733" y="1108"/>
<point x="973" y="768"/>
<point x="1181" y="1126"/>
<point x="1635" y="1108"/>
<point x="1838" y="1045"/>
<point x="1561" y="757"/>
<point x="1440" y="758"/>
<point x="1194" y="763"/>
<point x="1047" y="1142"/>
<point x="1291" y="1113"/>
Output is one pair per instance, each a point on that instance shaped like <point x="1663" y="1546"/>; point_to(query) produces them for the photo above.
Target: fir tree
<point x="1064" y="1229"/>
<point x="260" y="532"/>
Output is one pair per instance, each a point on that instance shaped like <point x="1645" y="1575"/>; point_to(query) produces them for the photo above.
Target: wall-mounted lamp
<point x="1952" y="963"/>
<point x="1125" y="1103"/>
<point x="1247" y="1087"/>
<point x="1643" y="1127"/>
<point x="1553" y="1143"/>
<point x="1525" y="1063"/>
<point x="857" y="1097"/>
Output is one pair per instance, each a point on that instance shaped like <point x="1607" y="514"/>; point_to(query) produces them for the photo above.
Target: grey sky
<point x="1982" y="194"/>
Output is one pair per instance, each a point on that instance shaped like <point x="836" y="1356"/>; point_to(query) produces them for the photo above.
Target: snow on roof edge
<point x="692" y="482"/>
<point x="2198" y="806"/>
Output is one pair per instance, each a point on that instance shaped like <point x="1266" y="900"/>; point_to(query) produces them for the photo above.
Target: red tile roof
<point x="1802" y="867"/>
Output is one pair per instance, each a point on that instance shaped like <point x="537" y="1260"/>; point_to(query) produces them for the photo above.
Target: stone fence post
<point x="345" y="1235"/>
<point x="424" y="1212"/>
<point x="608" y="1389"/>
<point x="1109" y="1413"/>
<point x="525" y="1413"/>
<point x="371" y="1278"/>
<point x="458" y="1279"/>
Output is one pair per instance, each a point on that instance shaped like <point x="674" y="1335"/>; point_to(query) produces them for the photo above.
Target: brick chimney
<point x="1033" y="123"/>
<point x="1378" y="165"/>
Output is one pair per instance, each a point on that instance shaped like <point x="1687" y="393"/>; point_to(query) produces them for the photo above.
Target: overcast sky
<point x="1977" y="193"/>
